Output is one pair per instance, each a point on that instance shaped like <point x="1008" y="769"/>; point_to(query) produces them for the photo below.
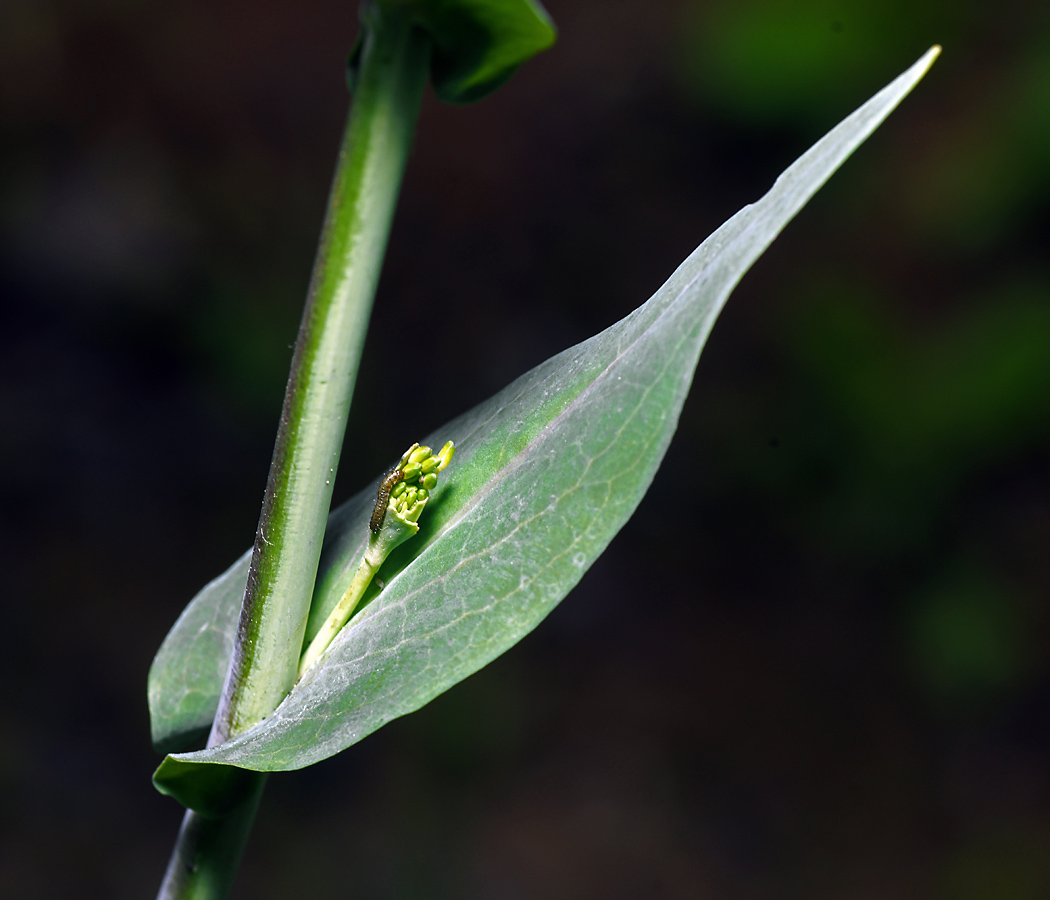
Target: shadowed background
<point x="832" y="682"/>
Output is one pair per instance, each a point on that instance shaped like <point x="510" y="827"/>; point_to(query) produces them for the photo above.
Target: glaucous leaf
<point x="186" y="677"/>
<point x="545" y="474"/>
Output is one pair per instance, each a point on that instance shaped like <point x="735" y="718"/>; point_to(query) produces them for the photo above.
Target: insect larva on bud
<point x="383" y="499"/>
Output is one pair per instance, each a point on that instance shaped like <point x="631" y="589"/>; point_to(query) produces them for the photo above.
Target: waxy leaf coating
<point x="546" y="472"/>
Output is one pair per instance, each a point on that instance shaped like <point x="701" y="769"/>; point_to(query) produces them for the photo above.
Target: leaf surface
<point x="479" y="44"/>
<point x="545" y="474"/>
<point x="186" y="677"/>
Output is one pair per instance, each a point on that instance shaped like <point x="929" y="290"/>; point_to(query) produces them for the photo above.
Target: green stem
<point x="340" y="615"/>
<point x="208" y="851"/>
<point x="395" y="531"/>
<point x="372" y="160"/>
<point x="396" y="518"/>
<point x="265" y="660"/>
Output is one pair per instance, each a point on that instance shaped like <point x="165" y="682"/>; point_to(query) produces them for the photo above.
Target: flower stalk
<point x="394" y="521"/>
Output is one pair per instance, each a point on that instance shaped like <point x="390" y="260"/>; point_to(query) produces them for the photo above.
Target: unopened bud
<point x="419" y="454"/>
<point x="444" y="455"/>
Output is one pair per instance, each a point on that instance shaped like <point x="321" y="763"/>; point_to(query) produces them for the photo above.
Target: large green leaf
<point x="546" y="472"/>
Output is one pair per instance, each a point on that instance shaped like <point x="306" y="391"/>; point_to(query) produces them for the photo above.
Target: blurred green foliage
<point x="792" y="61"/>
<point x="909" y="382"/>
<point x="971" y="640"/>
<point x="918" y="411"/>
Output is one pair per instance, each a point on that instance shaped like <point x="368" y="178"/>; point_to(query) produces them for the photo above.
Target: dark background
<point x="832" y="683"/>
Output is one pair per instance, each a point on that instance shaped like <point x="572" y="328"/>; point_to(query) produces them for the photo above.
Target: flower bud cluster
<point x="419" y="467"/>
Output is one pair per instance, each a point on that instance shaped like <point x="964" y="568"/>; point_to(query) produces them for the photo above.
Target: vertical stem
<point x="208" y="851"/>
<point x="298" y="495"/>
<point x="265" y="661"/>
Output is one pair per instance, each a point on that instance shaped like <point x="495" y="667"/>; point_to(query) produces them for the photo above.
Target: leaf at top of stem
<point x="547" y="472"/>
<point x="478" y="44"/>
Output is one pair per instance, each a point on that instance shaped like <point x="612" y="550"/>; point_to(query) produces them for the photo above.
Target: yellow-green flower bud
<point x="408" y="453"/>
<point x="444" y="455"/>
<point x="419" y="454"/>
<point x="397" y="513"/>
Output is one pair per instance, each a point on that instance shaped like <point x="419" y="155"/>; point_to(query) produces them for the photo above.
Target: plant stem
<point x="265" y="661"/>
<point x="395" y="531"/>
<point x="394" y="522"/>
<point x="208" y="851"/>
<point x="340" y="615"/>
<point x="299" y="491"/>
